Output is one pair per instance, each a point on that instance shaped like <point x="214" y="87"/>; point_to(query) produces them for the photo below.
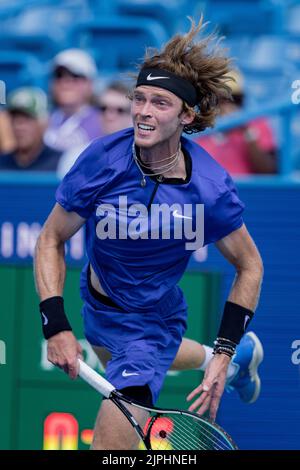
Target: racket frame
<point x="109" y="391"/>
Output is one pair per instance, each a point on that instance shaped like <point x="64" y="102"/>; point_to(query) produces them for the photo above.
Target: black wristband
<point x="54" y="319"/>
<point x="224" y="346"/>
<point x="234" y="322"/>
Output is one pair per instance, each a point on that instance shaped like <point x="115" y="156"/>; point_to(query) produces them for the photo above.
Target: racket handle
<point x="94" y="379"/>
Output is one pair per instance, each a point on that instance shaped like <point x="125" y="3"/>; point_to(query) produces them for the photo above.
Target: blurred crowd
<point x="41" y="133"/>
<point x="249" y="149"/>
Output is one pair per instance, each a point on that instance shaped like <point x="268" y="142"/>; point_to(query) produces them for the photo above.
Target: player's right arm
<point x="50" y="271"/>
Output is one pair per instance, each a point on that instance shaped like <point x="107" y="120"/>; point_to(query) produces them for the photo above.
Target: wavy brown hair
<point x="203" y="63"/>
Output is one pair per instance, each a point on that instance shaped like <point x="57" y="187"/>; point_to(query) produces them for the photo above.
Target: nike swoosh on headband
<point x="149" y="77"/>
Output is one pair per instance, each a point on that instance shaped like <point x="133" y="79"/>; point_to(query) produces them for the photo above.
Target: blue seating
<point x="55" y="17"/>
<point x="265" y="52"/>
<point x="267" y="85"/>
<point x="293" y="19"/>
<point x="237" y="47"/>
<point x="292" y="29"/>
<point x="20" y="69"/>
<point x="40" y="45"/>
<point x="267" y="68"/>
<point x="117" y="43"/>
<point x="244" y="17"/>
<point x="10" y="9"/>
<point x="169" y="14"/>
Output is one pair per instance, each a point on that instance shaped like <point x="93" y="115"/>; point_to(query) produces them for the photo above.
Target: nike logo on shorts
<point x="128" y="374"/>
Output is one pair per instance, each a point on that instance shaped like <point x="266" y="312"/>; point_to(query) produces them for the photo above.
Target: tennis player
<point x="148" y="197"/>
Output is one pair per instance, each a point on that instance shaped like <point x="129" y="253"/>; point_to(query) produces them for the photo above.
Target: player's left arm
<point x="240" y="250"/>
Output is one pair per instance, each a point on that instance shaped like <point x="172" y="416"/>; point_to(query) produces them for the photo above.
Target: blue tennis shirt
<point x="139" y="238"/>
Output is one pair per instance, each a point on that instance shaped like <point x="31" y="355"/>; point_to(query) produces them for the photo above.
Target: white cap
<point x="76" y="61"/>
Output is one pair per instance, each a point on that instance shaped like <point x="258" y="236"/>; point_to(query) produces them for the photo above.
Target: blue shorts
<point x="142" y="345"/>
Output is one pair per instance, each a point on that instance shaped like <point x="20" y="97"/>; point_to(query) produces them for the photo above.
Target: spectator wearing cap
<point x="248" y="149"/>
<point x="28" y="110"/>
<point x="114" y="106"/>
<point x="74" y="122"/>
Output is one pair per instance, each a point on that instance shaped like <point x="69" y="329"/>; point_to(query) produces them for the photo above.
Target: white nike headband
<point x="169" y="81"/>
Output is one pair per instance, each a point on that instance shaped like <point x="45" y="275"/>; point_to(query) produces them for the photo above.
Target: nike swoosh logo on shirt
<point x="128" y="374"/>
<point x="149" y="77"/>
<point x="180" y="216"/>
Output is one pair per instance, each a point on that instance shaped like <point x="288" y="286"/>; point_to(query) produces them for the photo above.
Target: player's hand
<point x="212" y="387"/>
<point x="63" y="351"/>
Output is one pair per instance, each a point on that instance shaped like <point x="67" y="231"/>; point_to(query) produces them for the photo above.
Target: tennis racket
<point x="165" y="429"/>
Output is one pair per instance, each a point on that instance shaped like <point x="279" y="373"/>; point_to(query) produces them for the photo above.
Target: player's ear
<point x="187" y="115"/>
<point x="187" y="118"/>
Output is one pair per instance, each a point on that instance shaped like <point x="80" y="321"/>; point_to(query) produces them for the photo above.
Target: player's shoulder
<point x="117" y="145"/>
<point x="108" y="151"/>
<point x="205" y="166"/>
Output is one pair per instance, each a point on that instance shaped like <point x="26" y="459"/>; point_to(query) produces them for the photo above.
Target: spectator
<point x="244" y="150"/>
<point x="114" y="107"/>
<point x="7" y="141"/>
<point x="28" y="110"/>
<point x="74" y="122"/>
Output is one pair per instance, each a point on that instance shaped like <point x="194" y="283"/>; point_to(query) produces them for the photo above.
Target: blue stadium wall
<point x="273" y="218"/>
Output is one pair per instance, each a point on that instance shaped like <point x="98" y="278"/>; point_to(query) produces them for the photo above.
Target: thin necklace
<point x="162" y="169"/>
<point x="163" y="160"/>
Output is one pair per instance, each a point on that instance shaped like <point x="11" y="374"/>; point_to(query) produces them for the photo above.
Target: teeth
<point x="145" y="127"/>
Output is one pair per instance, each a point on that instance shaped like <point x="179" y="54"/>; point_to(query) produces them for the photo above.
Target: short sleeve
<point x="225" y="215"/>
<point x="86" y="179"/>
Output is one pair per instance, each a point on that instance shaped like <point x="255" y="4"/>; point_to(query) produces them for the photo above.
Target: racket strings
<point x="210" y="436"/>
<point x="182" y="436"/>
<point x="180" y="439"/>
<point x="171" y="440"/>
<point x="175" y="441"/>
<point x="183" y="432"/>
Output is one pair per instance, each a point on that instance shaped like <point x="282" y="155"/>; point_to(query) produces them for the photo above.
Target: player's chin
<point x="144" y="139"/>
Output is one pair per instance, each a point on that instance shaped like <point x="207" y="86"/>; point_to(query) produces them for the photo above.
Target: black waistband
<point x="102" y="298"/>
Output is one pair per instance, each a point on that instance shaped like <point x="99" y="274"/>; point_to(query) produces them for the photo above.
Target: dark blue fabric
<point x="139" y="273"/>
<point x="143" y="345"/>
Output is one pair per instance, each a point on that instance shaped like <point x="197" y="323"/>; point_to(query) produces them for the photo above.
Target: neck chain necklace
<point x="159" y="170"/>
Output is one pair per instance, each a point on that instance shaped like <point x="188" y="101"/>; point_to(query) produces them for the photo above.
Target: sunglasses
<point x="238" y="99"/>
<point x="61" y="72"/>
<point x="115" y="109"/>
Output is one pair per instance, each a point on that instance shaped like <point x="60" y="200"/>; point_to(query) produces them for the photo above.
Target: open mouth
<point x="145" y="128"/>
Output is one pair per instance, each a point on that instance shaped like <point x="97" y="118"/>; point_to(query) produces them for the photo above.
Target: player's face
<point x="157" y="117"/>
